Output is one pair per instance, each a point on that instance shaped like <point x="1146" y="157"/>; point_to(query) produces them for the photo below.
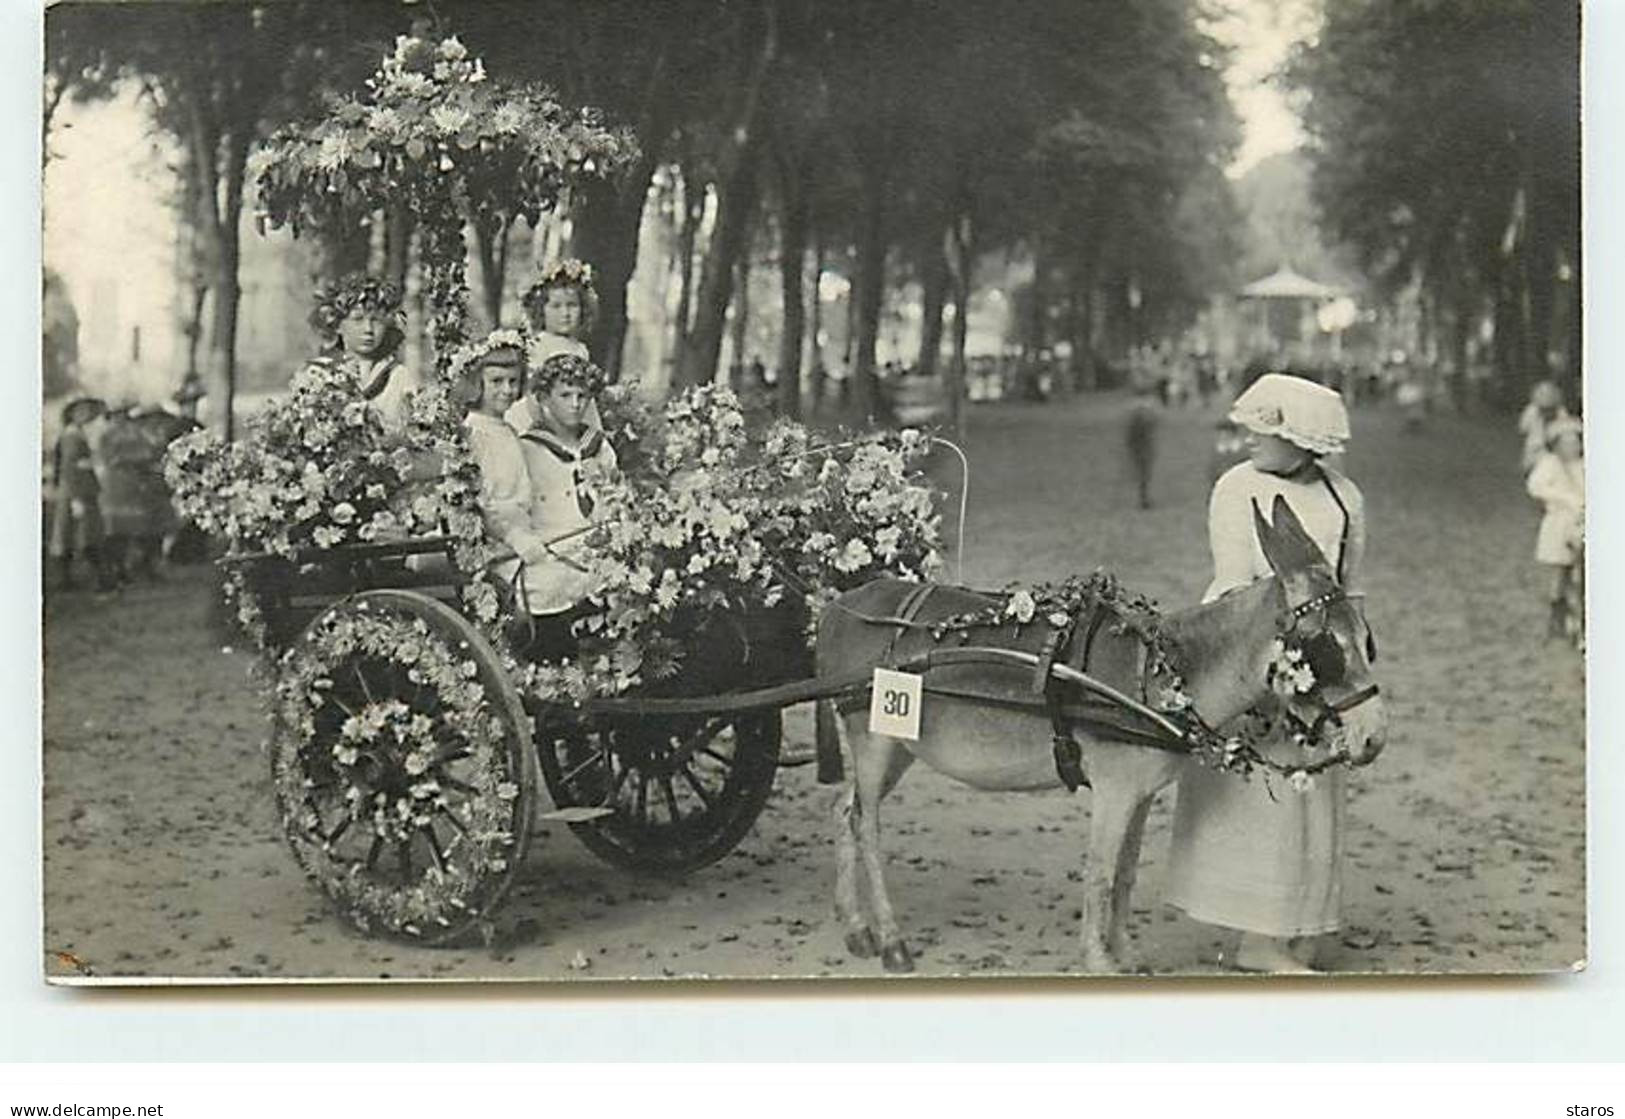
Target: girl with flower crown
<point x="562" y="449"/>
<point x="1269" y="862"/>
<point x="360" y="321"/>
<point x="489" y="376"/>
<point x="560" y="310"/>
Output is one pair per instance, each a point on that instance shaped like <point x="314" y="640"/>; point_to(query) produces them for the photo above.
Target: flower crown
<point x="568" y="271"/>
<point x="569" y="369"/>
<point x="467" y="358"/>
<point x="335" y="300"/>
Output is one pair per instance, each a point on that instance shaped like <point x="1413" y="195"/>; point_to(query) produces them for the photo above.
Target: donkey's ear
<point x="1290" y="528"/>
<point x="1282" y="548"/>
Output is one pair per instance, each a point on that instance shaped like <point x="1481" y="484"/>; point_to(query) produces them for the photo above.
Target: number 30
<point x="895" y="703"/>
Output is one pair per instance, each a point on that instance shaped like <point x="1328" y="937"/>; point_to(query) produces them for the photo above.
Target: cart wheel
<point x="683" y="792"/>
<point x="400" y="762"/>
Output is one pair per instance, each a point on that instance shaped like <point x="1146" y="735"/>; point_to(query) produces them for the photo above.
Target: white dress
<point x="1561" y="487"/>
<point x="557" y="580"/>
<point x="1239" y="858"/>
<point x="506" y="499"/>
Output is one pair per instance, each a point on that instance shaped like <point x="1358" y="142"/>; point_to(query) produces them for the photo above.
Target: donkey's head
<point x="1322" y="630"/>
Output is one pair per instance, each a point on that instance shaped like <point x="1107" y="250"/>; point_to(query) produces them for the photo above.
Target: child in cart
<point x="562" y="448"/>
<point x="560" y="310"/>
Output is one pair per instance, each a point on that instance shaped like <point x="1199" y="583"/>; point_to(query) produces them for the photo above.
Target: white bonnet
<point x="1303" y="413"/>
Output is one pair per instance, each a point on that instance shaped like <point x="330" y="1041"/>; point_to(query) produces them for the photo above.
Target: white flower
<point x="1300" y="781"/>
<point x="448" y="120"/>
<point x="452" y="50"/>
<point x="854" y="556"/>
<point x="335" y="151"/>
<point x="1021" y="607"/>
<point x="344" y="512"/>
<point x="508" y="119"/>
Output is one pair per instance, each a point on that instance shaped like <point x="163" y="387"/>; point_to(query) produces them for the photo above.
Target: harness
<point x="1062" y="685"/>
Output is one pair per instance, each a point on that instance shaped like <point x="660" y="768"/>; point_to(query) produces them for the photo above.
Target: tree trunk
<point x="741" y="320"/>
<point x="933" y="296"/>
<point x="815" y="326"/>
<point x="963" y="262"/>
<point x="871" y="285"/>
<point x="607" y="235"/>
<point x="792" y="261"/>
<point x="1038" y="305"/>
<point x="222" y="376"/>
<point x="491" y="246"/>
<point x="692" y="213"/>
<point x="704" y="344"/>
<point x="397" y="245"/>
<point x="345" y="250"/>
<point x="735" y="202"/>
<point x="193" y="327"/>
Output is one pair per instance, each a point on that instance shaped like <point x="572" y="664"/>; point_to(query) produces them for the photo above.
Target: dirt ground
<point x="1467" y="838"/>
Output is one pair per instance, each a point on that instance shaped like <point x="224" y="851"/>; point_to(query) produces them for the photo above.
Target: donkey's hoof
<point x="862" y="943"/>
<point x="896" y="957"/>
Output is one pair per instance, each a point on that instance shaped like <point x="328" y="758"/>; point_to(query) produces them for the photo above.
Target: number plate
<point x="894" y="704"/>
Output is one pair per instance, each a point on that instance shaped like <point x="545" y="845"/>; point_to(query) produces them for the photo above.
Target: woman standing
<point x="361" y="325"/>
<point x="1269" y="862"/>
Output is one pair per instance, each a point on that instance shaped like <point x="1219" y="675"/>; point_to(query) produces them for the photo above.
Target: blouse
<point x="559" y="510"/>
<point x="1238" y="556"/>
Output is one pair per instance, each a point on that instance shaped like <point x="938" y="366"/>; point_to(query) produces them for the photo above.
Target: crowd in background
<point x="108" y="517"/>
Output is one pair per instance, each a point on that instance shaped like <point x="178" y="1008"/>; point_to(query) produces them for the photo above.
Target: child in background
<point x="560" y="310"/>
<point x="76" y="514"/>
<point x="1557" y="481"/>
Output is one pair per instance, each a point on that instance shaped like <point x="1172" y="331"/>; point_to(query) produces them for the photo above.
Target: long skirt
<point x="1246" y="861"/>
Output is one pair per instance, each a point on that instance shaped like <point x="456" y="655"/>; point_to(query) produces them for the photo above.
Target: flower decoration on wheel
<point x="394" y="772"/>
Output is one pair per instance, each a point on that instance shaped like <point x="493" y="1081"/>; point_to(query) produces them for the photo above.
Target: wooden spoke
<point x="670" y="795"/>
<point x="615" y="789"/>
<point x="597" y="757"/>
<point x="403" y="858"/>
<point x="462" y="828"/>
<point x="372" y="852"/>
<point x="439" y="856"/>
<point x="723" y="758"/>
<point x="361" y="677"/>
<point x="699" y="789"/>
<point x="461" y="786"/>
<point x="344" y="826"/>
<point x="642" y="802"/>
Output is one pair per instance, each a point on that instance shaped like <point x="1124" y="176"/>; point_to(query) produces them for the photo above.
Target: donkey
<point x="1225" y="647"/>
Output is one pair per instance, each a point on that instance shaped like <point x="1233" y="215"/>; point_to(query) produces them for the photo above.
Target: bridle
<point x="1327" y="711"/>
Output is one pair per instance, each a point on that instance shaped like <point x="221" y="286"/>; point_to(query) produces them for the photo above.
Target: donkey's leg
<point x="1128" y="868"/>
<point x="1110" y="815"/>
<point x="860" y="938"/>
<point x="877" y="772"/>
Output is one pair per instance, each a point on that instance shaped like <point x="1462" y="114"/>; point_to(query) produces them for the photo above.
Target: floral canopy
<point x="430" y="133"/>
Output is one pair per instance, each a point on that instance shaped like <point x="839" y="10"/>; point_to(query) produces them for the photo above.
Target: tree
<point x="215" y="75"/>
<point x="1400" y="96"/>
